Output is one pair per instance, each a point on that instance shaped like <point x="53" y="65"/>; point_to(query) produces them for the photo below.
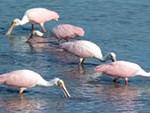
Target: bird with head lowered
<point x="24" y="79"/>
<point x="34" y="16"/>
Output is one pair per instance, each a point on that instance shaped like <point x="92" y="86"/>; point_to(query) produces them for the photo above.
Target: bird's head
<point x="61" y="84"/>
<point x="38" y="33"/>
<point x="14" y="23"/>
<point x="113" y="56"/>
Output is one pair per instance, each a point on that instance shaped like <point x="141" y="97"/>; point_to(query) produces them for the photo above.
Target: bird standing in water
<point x="35" y="16"/>
<point x="24" y="79"/>
<point x="86" y="49"/>
<point x="121" y="69"/>
<point x="66" y="32"/>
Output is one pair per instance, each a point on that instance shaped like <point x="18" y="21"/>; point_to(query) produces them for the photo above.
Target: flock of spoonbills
<point x="24" y="79"/>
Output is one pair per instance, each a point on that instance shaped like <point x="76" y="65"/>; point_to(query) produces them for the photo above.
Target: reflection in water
<point x="25" y="43"/>
<point x="77" y="71"/>
<point x="18" y="42"/>
<point x="81" y="68"/>
<point x="22" y="104"/>
<point x="37" y="39"/>
<point x="39" y="43"/>
<point x="38" y="47"/>
<point x="118" y="97"/>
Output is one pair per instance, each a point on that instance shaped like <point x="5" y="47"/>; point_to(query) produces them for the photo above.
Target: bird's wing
<point x="41" y="15"/>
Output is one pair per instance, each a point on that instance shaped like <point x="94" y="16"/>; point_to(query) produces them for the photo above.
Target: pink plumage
<point x="41" y="15"/>
<point x="21" y="78"/>
<point x="35" y="16"/>
<point x="86" y="49"/>
<point x="66" y="32"/>
<point x="24" y="79"/>
<point x="121" y="69"/>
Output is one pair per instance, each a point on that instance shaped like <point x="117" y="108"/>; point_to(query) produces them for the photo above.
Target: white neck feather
<point x="143" y="73"/>
<point x="46" y="83"/>
<point x="23" y="21"/>
<point x="109" y="56"/>
<point x="106" y="57"/>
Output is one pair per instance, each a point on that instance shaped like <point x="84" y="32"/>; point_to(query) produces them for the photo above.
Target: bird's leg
<point x="32" y="29"/>
<point x="115" y="79"/>
<point x="59" y="41"/>
<point x="66" y="40"/>
<point x="43" y="28"/>
<point x="81" y="60"/>
<point x="81" y="68"/>
<point x="126" y="81"/>
<point x="21" y="91"/>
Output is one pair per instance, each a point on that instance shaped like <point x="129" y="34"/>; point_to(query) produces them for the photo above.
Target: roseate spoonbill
<point x="121" y="69"/>
<point x="84" y="49"/>
<point x="66" y="32"/>
<point x="35" y="16"/>
<point x="24" y="79"/>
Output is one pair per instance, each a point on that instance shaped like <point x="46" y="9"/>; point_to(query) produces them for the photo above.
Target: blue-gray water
<point x="122" y="26"/>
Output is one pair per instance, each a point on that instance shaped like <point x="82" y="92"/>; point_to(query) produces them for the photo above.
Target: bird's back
<point x="21" y="78"/>
<point x="119" y="69"/>
<point x="67" y="31"/>
<point x="82" y="48"/>
<point x="41" y="15"/>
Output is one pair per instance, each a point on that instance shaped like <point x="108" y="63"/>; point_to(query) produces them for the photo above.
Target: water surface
<point x="119" y="26"/>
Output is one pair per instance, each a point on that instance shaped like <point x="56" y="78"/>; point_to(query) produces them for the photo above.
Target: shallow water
<point x="119" y="26"/>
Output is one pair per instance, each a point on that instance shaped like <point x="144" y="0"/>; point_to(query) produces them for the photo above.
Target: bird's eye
<point x="59" y="83"/>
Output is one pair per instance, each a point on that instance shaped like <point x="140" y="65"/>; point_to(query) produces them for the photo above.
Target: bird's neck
<point x="106" y="57"/>
<point x="23" y="21"/>
<point x="46" y="83"/>
<point x="144" y="73"/>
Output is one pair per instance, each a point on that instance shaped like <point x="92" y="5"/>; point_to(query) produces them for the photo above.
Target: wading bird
<point x="85" y="49"/>
<point x="35" y="16"/>
<point x="24" y="79"/>
<point x="121" y="69"/>
<point x="66" y="32"/>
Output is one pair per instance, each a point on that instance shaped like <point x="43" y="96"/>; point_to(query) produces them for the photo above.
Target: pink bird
<point x="85" y="49"/>
<point x="66" y="32"/>
<point x="35" y="16"/>
<point x="121" y="69"/>
<point x="24" y="79"/>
